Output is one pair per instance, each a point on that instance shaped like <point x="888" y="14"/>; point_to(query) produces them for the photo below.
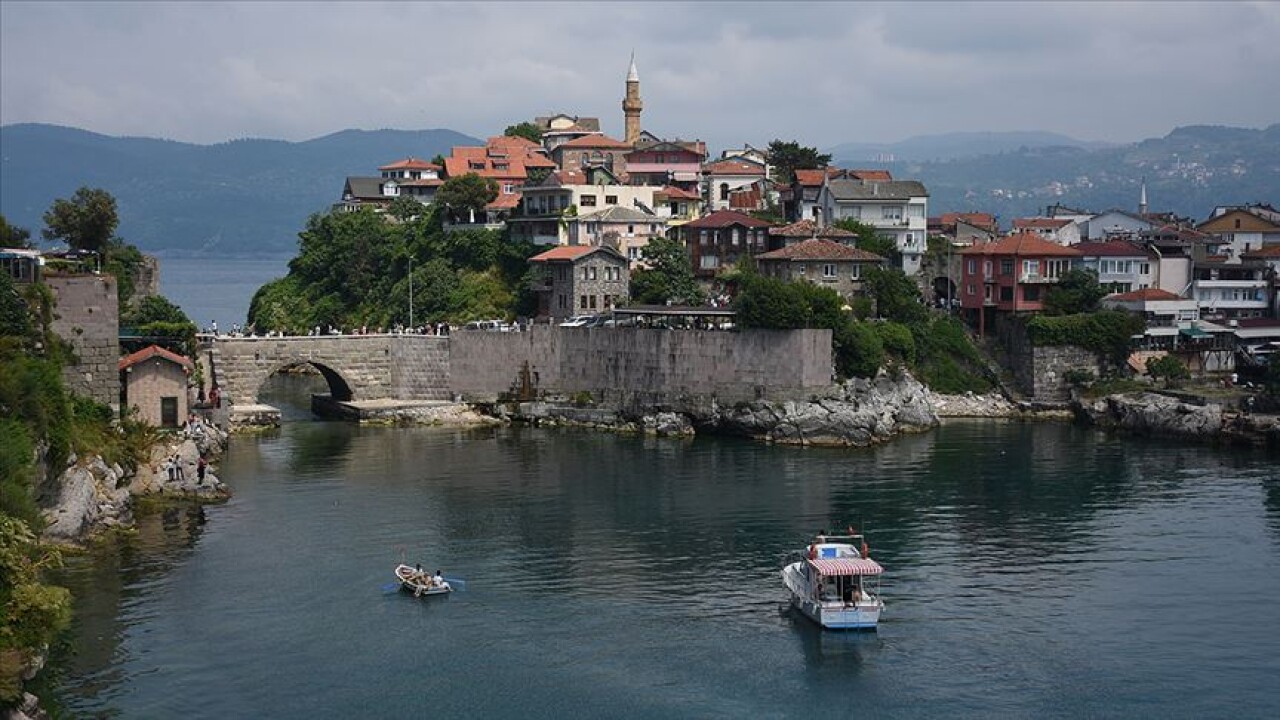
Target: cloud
<point x="822" y="73"/>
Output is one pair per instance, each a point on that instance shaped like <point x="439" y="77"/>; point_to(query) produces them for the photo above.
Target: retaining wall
<point x="87" y="316"/>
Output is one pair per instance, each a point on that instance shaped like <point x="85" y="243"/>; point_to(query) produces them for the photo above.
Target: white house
<point x="546" y="208"/>
<point x="723" y="177"/>
<point x="898" y="209"/>
<point x="1115" y="223"/>
<point x="1060" y="230"/>
<point x="1120" y="266"/>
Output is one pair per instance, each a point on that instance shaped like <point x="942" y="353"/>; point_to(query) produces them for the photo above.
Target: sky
<point x="725" y="72"/>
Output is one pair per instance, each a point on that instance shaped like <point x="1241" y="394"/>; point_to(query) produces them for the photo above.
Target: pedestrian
<point x="200" y="468"/>
<point x="178" y="470"/>
<point x="169" y="469"/>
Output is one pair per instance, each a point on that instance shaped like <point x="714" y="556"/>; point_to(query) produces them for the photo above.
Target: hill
<point x="241" y="197"/>
<point x="950" y="146"/>
<point x="1188" y="172"/>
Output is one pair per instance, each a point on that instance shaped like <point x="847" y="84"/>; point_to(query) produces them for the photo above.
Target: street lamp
<point x="410" y="293"/>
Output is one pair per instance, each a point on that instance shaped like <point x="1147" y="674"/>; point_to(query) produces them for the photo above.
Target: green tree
<point x="1169" y="368"/>
<point x="787" y="157"/>
<point x="868" y="239"/>
<point x="765" y="302"/>
<point x="1077" y="291"/>
<point x="897" y="296"/>
<point x="858" y="350"/>
<point x="465" y="194"/>
<point x="85" y="222"/>
<point x="526" y="130"/>
<point x="668" y="276"/>
<point x="438" y="160"/>
<point x="162" y="323"/>
<point x="15" y="318"/>
<point x="405" y="208"/>
<point x="12" y="236"/>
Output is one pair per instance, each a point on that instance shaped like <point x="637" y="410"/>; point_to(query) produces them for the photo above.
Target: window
<point x="986" y="292"/>
<point x="1055" y="268"/>
<point x="986" y="268"/>
<point x="592" y="298"/>
<point x="169" y="412"/>
<point x="973" y="267"/>
<point x="592" y="274"/>
<point x="802" y="269"/>
<point x="829" y="271"/>
<point x="857" y="271"/>
<point x="633" y="253"/>
<point x="1031" y="268"/>
<point x="584" y="272"/>
<point x="709" y="262"/>
<point x="1006" y="266"/>
<point x="608" y="301"/>
<point x="724" y="191"/>
<point x="582" y="302"/>
<point x="610" y="199"/>
<point x="736" y="232"/>
<point x="588" y="201"/>
<point x="891" y="212"/>
<point x="1145" y="269"/>
<point x="969" y="289"/>
<point x="508" y="188"/>
<point x="1006" y="293"/>
<point x="1031" y="293"/>
<point x="631" y="231"/>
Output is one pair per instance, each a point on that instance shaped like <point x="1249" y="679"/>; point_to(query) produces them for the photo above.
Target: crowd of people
<point x="441" y="329"/>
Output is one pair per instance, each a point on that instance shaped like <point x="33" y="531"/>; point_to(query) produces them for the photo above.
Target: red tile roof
<point x="871" y="175"/>
<point x="733" y="166"/>
<point x="1114" y="248"/>
<point x="153" y="351"/>
<point x="410" y="163"/>
<point x="819" y="249"/>
<point x="808" y="228"/>
<point x="596" y="141"/>
<point x="1022" y="244"/>
<point x="725" y="218"/>
<point x="812" y="178"/>
<point x="977" y="219"/>
<point x="1048" y="223"/>
<point x="570" y="253"/>
<point x="1264" y="252"/>
<point x="504" y="201"/>
<point x="672" y="191"/>
<point x="1145" y="295"/>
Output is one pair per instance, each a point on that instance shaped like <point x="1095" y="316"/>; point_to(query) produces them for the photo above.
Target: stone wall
<point x="356" y="364"/>
<point x="420" y="368"/>
<point x="87" y="315"/>
<point x="1040" y="371"/>
<point x="643" y="365"/>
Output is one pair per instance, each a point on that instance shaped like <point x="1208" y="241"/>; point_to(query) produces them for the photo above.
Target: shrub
<point x="897" y="341"/>
<point x="858" y="350"/>
<point x="1169" y="368"/>
<point x="1107" y="332"/>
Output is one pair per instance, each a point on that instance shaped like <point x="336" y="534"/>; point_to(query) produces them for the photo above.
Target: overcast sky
<point x="727" y="73"/>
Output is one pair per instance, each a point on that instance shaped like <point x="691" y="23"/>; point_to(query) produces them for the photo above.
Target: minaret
<point x="1142" y="199"/>
<point x="631" y="104"/>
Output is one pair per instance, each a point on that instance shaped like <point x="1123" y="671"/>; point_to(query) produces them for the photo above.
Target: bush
<point x="946" y="359"/>
<point x="1106" y="332"/>
<point x="897" y="341"/>
<point x="1169" y="368"/>
<point x="858" y="350"/>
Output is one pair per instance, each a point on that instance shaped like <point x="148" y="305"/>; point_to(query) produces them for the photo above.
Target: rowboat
<point x="420" y="582"/>
<point x="836" y="583"/>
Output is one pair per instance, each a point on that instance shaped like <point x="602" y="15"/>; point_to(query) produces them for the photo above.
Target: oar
<point x="390" y="587"/>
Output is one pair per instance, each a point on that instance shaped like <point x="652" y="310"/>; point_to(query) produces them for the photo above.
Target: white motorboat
<point x="836" y="583"/>
<point x="420" y="582"/>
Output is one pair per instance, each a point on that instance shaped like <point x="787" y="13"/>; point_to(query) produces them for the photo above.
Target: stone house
<point x="581" y="280"/>
<point x="592" y="151"/>
<point x="822" y="262"/>
<point x="153" y="382"/>
<point x="626" y="230"/>
<point x="561" y="128"/>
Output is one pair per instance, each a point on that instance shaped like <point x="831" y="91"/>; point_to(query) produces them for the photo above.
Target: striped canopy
<point x="846" y="566"/>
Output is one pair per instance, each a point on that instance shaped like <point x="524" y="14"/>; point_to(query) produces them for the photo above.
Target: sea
<point x="1032" y="570"/>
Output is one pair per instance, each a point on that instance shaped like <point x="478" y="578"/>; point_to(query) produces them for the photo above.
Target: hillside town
<point x="1207" y="288"/>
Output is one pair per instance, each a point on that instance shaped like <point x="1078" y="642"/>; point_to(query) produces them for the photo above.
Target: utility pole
<point x="411" y="293"/>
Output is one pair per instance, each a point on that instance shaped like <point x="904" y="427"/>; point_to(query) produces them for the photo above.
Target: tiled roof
<point x="672" y="191"/>
<point x="571" y="253"/>
<point x="808" y="228"/>
<point x="1022" y="244"/>
<point x="153" y="351"/>
<point x="1047" y="223"/>
<point x="977" y="219"/>
<point x="725" y="218"/>
<point x="1145" y="295"/>
<point x="733" y="166"/>
<point x="1114" y="248"/>
<point x="819" y="249"/>
<point x="410" y="163"/>
<point x="862" y="190"/>
<point x="365" y="188"/>
<point x="518" y="153"/>
<point x="1265" y="252"/>
<point x="504" y="201"/>
<point x="618" y="213"/>
<point x="871" y="175"/>
<point x="812" y="178"/>
<point x="596" y="141"/>
<point x="580" y="124"/>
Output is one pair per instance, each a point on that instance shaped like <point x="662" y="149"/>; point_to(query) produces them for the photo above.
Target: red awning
<point x="847" y="566"/>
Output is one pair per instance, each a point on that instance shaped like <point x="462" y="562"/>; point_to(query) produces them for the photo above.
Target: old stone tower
<point x="631" y="104"/>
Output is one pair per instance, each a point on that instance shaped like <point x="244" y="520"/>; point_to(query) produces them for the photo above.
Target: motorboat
<point x="420" y="582"/>
<point x="836" y="584"/>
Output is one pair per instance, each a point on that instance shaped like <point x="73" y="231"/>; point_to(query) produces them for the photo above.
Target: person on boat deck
<point x="438" y="580"/>
<point x="417" y="571"/>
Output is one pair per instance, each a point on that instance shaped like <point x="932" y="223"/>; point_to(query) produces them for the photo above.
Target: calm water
<point x="209" y="289"/>
<point x="1032" y="571"/>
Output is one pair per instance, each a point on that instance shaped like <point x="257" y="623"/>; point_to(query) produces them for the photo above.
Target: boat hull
<point x="420" y="585"/>
<point x="831" y="615"/>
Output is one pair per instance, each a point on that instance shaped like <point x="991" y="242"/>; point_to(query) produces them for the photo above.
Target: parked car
<point x="490" y="325"/>
<point x="577" y="321"/>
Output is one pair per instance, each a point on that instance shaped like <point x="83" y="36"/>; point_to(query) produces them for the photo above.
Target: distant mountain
<point x="239" y="197"/>
<point x="1188" y="172"/>
<point x="951" y="146"/>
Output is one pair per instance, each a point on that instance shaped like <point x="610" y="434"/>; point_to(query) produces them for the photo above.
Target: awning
<point x="847" y="566"/>
<point x="1192" y="332"/>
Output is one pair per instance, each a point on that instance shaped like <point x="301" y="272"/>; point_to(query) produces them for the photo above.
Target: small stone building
<point x="581" y="280"/>
<point x="154" y="382"/>
<point x="822" y="262"/>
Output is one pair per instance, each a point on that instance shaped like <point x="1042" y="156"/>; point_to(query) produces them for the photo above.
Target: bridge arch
<point x="339" y="387"/>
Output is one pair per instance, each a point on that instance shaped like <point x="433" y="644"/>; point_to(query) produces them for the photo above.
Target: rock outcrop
<point x="1148" y="413"/>
<point x="89" y="496"/>
<point x="969" y="405"/>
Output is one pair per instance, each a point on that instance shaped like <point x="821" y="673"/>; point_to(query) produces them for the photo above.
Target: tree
<point x="526" y="130"/>
<point x="869" y="239"/>
<point x="668" y="276"/>
<point x="12" y="236"/>
<point x="1169" y="368"/>
<point x="897" y="296"/>
<point x="85" y="222"/>
<point x="467" y="194"/>
<point x="1077" y="291"/>
<point x="405" y="208"/>
<point x="787" y="157"/>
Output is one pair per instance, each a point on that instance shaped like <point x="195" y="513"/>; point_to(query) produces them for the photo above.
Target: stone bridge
<point x="356" y="367"/>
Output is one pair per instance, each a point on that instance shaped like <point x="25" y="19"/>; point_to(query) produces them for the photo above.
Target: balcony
<point x="1036" y="279"/>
